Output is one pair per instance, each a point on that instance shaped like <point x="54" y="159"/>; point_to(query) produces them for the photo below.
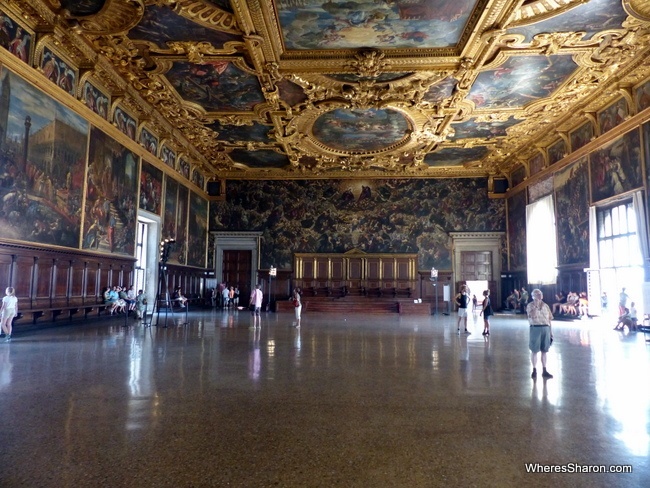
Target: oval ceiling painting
<point x="360" y="129"/>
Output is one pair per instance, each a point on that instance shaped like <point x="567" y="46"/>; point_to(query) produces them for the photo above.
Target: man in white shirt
<point x="256" y="300"/>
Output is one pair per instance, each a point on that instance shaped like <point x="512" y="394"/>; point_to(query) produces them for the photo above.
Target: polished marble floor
<point x="356" y="401"/>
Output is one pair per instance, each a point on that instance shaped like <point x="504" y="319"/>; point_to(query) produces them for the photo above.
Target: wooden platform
<point x="356" y="304"/>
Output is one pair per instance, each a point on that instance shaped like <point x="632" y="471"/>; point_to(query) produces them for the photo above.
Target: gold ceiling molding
<point x="209" y="16"/>
<point x="538" y="10"/>
<point x="116" y="16"/>
<point x="638" y="8"/>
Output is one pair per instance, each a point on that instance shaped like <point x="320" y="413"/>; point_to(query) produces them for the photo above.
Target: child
<point x="8" y="311"/>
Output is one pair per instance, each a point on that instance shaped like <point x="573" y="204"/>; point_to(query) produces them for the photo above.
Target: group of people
<point x="123" y="300"/>
<point x="571" y="303"/>
<point x="517" y="300"/>
<point x="225" y="297"/>
<point x="539" y="318"/>
<point x="627" y="317"/>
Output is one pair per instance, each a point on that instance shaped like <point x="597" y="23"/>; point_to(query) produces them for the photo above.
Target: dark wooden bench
<point x="645" y="328"/>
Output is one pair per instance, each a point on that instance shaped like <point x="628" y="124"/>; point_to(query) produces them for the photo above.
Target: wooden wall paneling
<point x="77" y="277"/>
<point x="322" y="272"/>
<point x="24" y="273"/>
<point x="93" y="287"/>
<point x="6" y="268"/>
<point x="61" y="282"/>
<point x="355" y="273"/>
<point x="44" y="282"/>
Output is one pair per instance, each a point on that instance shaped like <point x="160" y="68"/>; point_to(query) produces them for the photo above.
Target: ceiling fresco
<point x="300" y="89"/>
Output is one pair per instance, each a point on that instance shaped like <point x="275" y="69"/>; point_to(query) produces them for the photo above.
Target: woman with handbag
<point x="297" y="306"/>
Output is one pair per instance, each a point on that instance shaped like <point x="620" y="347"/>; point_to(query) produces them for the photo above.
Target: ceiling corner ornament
<point x="369" y="63"/>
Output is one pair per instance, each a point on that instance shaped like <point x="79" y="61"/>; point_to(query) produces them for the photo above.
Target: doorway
<point x="236" y="266"/>
<point x="146" y="253"/>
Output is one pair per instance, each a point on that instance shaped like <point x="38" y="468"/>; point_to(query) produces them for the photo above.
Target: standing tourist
<point x="541" y="334"/>
<point x="8" y="312"/>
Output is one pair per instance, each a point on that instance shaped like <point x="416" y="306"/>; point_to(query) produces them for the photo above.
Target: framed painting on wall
<point x="124" y="122"/>
<point x="16" y="38"/>
<point x="616" y="168"/>
<point x="41" y="199"/>
<point x="642" y="96"/>
<point x="111" y="193"/>
<point x="612" y="115"/>
<point x="168" y="156"/>
<point x="95" y="99"/>
<point x="149" y="141"/>
<point x="571" y="186"/>
<point x="536" y="164"/>
<point x="198" y="231"/>
<point x="59" y="71"/>
<point x="517" y="231"/>
<point x="151" y="179"/>
<point x="556" y="152"/>
<point x="581" y="136"/>
<point x="518" y="175"/>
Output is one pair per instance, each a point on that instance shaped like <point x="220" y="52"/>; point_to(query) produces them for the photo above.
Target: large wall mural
<point x="517" y="231"/>
<point x="572" y="213"/>
<point x="616" y="168"/>
<point x="111" y="206"/>
<point x="373" y="216"/>
<point x="198" y="231"/>
<point x="150" y="188"/>
<point x="41" y="197"/>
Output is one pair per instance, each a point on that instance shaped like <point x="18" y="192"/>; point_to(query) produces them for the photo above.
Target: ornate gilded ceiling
<point x="310" y="89"/>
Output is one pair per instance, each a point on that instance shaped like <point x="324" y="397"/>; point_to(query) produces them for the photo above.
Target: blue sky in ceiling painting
<point x="216" y="85"/>
<point x="592" y="17"/>
<point x="519" y="80"/>
<point x="160" y="25"/>
<point x="490" y="129"/>
<point x="236" y="133"/>
<point x="455" y="156"/>
<point x="259" y="159"/>
<point x="315" y="24"/>
<point x="360" y="129"/>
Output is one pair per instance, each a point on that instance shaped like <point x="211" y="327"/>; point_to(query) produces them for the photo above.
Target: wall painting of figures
<point x="41" y="196"/>
<point x="441" y="90"/>
<point x="581" y="136"/>
<point x="179" y="253"/>
<point x="59" y="71"/>
<point x="642" y="96"/>
<point x="110" y="216"/>
<point x="160" y="25"/>
<point x="95" y="99"/>
<point x="198" y="179"/>
<point x="149" y="141"/>
<point x="455" y="156"/>
<point x="572" y="213"/>
<point x="151" y="179"/>
<point x="184" y="168"/>
<point x="198" y="231"/>
<point x="15" y="38"/>
<point x="124" y="122"/>
<point x="361" y="129"/>
<point x="612" y="115"/>
<point x="484" y="129"/>
<point x="591" y="18"/>
<point x="536" y="164"/>
<point x="518" y="175"/>
<point x="517" y="231"/>
<point x="616" y="168"/>
<point x="259" y="159"/>
<point x="556" y="152"/>
<point x="171" y="205"/>
<point x="318" y="24"/>
<point x="216" y="85"/>
<point x="237" y="133"/>
<point x="168" y="156"/>
<point x="375" y="216"/>
<point x="540" y="189"/>
<point x="646" y="151"/>
<point x="520" y="80"/>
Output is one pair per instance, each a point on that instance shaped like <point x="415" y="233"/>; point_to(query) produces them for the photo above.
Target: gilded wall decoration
<point x="41" y="193"/>
<point x="390" y="215"/>
<point x="151" y="179"/>
<point x="111" y="196"/>
<point x="572" y="213"/>
<point x="616" y="168"/>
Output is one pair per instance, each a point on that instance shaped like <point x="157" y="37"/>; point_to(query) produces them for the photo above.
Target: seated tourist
<point x="178" y="297"/>
<point x="512" y="300"/>
<point x="583" y="304"/>
<point x="570" y="307"/>
<point x="624" y="320"/>
<point x="560" y="299"/>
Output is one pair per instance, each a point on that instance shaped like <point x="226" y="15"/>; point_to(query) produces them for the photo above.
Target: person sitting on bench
<point x="178" y="297"/>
